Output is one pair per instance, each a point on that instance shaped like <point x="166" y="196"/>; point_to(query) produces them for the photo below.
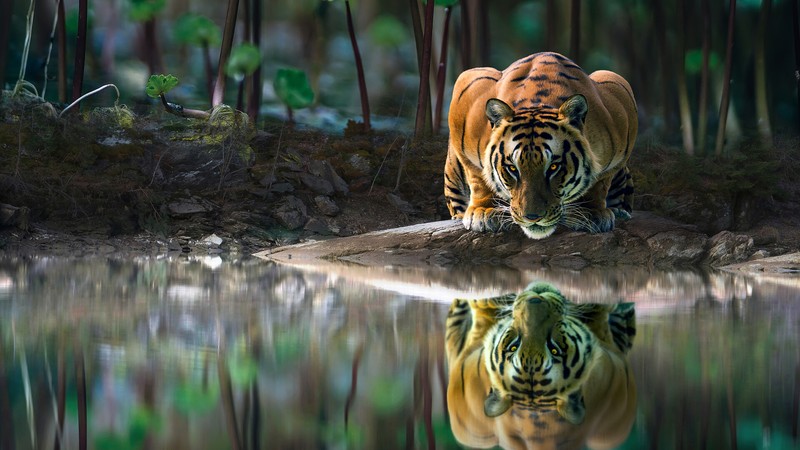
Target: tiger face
<point x="539" y="358"/>
<point x="534" y="368"/>
<point x="536" y="161"/>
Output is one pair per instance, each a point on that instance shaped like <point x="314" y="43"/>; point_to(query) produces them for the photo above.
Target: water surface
<point x="205" y="352"/>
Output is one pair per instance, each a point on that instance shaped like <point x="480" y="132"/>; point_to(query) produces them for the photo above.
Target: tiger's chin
<point x="535" y="231"/>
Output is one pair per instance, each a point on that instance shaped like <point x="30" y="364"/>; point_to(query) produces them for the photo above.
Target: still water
<point x="194" y="353"/>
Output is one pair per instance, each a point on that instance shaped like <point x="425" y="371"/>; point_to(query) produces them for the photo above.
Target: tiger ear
<point x="622" y="324"/>
<point x="575" y="109"/>
<point x="573" y="410"/>
<point x="496" y="404"/>
<point x="497" y="110"/>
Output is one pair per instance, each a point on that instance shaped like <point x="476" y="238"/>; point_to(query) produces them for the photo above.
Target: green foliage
<point x="244" y="60"/>
<point x="192" y="398"/>
<point x="142" y="423"/>
<point x="387" y="394"/>
<point x="387" y="31"/>
<point x="443" y="3"/>
<point x="198" y="30"/>
<point x="144" y="10"/>
<point x="243" y="369"/>
<point x="694" y="61"/>
<point x="292" y="87"/>
<point x="159" y="84"/>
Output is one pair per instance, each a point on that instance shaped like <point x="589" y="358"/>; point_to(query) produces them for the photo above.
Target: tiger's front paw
<point x="482" y="219"/>
<point x="621" y="213"/>
<point x="592" y="220"/>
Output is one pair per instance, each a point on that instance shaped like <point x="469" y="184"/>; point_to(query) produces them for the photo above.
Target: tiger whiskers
<point x="503" y="213"/>
<point x="577" y="217"/>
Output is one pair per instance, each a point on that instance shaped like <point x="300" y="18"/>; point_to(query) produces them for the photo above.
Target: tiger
<point x="534" y="370"/>
<point x="540" y="144"/>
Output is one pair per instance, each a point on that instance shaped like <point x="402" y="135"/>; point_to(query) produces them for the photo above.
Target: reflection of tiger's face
<point x="536" y="161"/>
<point x="537" y="366"/>
<point x="540" y="357"/>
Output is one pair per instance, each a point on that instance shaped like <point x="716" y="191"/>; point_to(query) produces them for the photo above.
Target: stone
<point x="291" y="212"/>
<point x="402" y="205"/>
<point x="324" y="170"/>
<point x="677" y="247"/>
<point x="212" y="240"/>
<point x="326" y="205"/>
<point x="727" y="247"/>
<point x="281" y="188"/>
<point x="189" y="206"/>
<point x="317" y="184"/>
<point x="317" y="226"/>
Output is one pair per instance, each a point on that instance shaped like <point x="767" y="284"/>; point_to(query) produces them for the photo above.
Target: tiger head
<point x="539" y="161"/>
<point x="539" y="357"/>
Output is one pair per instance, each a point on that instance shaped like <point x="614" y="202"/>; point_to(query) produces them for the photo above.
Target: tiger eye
<point x="553" y="351"/>
<point x="553" y="166"/>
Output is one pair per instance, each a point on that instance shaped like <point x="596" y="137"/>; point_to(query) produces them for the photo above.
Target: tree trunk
<point x="483" y="34"/>
<point x="80" y="49"/>
<point x="424" y="74"/>
<point x="466" y="37"/>
<point x="441" y="72"/>
<point x="664" y="63"/>
<point x="702" y="107"/>
<point x="225" y="51"/>
<point x="552" y="25"/>
<point x="362" y="83"/>
<point x="61" y="37"/>
<point x="762" y="108"/>
<point x="575" y="31"/>
<point x="254" y="102"/>
<point x="726" y="82"/>
<point x="796" y="33"/>
<point x="683" y="95"/>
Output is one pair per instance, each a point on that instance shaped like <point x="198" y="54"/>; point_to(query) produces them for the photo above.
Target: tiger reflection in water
<point x="537" y="371"/>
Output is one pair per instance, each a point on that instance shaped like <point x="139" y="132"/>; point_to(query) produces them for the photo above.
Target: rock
<point x="13" y="216"/>
<point x="318" y="226"/>
<point x="212" y="241"/>
<point x="677" y="247"/>
<point x="400" y="204"/>
<point x="188" y="206"/>
<point x="268" y="180"/>
<point x="359" y="164"/>
<point x="291" y="212"/>
<point x="326" y="205"/>
<point x="325" y="171"/>
<point x="281" y="188"/>
<point x="726" y="248"/>
<point x="317" y="184"/>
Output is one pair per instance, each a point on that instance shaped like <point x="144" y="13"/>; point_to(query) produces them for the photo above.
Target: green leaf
<point x="244" y="60"/>
<point x="160" y="84"/>
<point x="387" y="31"/>
<point x="292" y="87"/>
<point x="694" y="61"/>
<point x="193" y="399"/>
<point x="144" y="10"/>
<point x="243" y="369"/>
<point x="197" y="30"/>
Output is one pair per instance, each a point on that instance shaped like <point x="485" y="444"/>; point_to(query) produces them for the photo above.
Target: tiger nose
<point x="533" y="217"/>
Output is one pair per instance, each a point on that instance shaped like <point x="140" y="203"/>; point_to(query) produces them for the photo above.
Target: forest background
<point x="674" y="53"/>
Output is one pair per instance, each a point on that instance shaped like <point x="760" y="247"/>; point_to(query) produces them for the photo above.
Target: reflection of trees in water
<point x="721" y="366"/>
<point x="271" y="352"/>
<point x="288" y="343"/>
